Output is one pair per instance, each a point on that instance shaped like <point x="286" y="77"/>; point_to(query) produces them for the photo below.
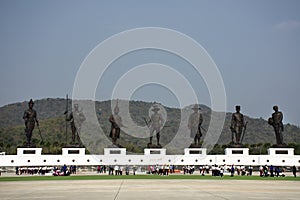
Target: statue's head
<point x="196" y="107"/>
<point x="275" y="108"/>
<point x="155" y="108"/>
<point x="76" y="106"/>
<point x="30" y="103"/>
<point x="238" y="108"/>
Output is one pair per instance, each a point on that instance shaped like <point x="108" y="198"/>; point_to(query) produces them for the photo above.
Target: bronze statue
<point x="155" y="124"/>
<point x="276" y="122"/>
<point x="30" y="118"/>
<point x="237" y="125"/>
<point x="194" y="124"/>
<point x="76" y="117"/>
<point x="116" y="123"/>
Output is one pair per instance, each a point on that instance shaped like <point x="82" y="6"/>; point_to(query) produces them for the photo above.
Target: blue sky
<point x="255" y="45"/>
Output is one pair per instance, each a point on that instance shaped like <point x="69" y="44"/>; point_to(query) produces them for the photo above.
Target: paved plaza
<point x="150" y="189"/>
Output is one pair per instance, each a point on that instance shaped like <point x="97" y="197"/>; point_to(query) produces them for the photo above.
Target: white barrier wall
<point x="118" y="156"/>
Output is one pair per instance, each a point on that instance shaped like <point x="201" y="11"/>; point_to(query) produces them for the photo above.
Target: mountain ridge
<point x="52" y="124"/>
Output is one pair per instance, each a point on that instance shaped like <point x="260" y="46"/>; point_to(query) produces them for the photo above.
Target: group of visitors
<point x="119" y="170"/>
<point x="189" y="169"/>
<point x="64" y="170"/>
<point x="42" y="170"/>
<point x="272" y="171"/>
<point x="101" y="169"/>
<point x="217" y="170"/>
<point x="162" y="170"/>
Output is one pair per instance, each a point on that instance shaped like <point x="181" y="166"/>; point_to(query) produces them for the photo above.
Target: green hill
<point x="259" y="135"/>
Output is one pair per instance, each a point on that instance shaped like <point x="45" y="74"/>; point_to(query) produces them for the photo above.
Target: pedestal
<point x="281" y="151"/>
<point x="237" y="151"/>
<point x="114" y="151"/>
<point x="195" y="151"/>
<point x="154" y="151"/>
<point x="154" y="146"/>
<point x="29" y="151"/>
<point x="73" y="151"/>
<point x="193" y="145"/>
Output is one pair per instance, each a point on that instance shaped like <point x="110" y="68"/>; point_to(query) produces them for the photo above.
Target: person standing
<point x="64" y="169"/>
<point x="30" y="118"/>
<point x="237" y="125"/>
<point x="261" y="171"/>
<point x="121" y="169"/>
<point x="266" y="170"/>
<point x="116" y="170"/>
<point x="127" y="170"/>
<point x="277" y="171"/>
<point x="294" y="171"/>
<point x="250" y="170"/>
<point x="271" y="171"/>
<point x="232" y="170"/>
<point x="110" y="170"/>
<point x="133" y="170"/>
<point x="276" y="122"/>
<point x="221" y="172"/>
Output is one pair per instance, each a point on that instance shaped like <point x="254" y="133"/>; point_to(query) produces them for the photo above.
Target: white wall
<point x="38" y="159"/>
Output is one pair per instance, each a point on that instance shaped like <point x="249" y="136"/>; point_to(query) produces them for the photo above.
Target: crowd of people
<point x="120" y="170"/>
<point x="64" y="170"/>
<point x="115" y="170"/>
<point x="189" y="169"/>
<point x="265" y="171"/>
<point x="164" y="170"/>
<point x="44" y="170"/>
<point x="33" y="170"/>
<point x="213" y="170"/>
<point x="232" y="170"/>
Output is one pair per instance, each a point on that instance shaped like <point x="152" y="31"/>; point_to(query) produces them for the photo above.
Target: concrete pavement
<point x="150" y="189"/>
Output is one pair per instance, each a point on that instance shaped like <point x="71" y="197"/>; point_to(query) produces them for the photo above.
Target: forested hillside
<point x="259" y="135"/>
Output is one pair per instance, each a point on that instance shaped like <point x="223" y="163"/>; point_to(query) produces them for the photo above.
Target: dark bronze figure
<point x="30" y="118"/>
<point x="276" y="122"/>
<point x="116" y="123"/>
<point x="76" y="117"/>
<point x="194" y="124"/>
<point x="155" y="124"/>
<point x="237" y="125"/>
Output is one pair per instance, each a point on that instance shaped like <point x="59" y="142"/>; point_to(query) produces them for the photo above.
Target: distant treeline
<point x="258" y="138"/>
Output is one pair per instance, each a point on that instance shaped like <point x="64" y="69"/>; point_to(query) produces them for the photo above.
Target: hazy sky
<point x="255" y="44"/>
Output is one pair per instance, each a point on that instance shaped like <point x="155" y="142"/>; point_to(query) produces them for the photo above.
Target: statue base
<point x="73" y="146"/>
<point x="115" y="151"/>
<point x="28" y="145"/>
<point x="195" y="151"/>
<point x="72" y="151"/>
<point x="281" y="151"/>
<point x="193" y="145"/>
<point x="29" y="151"/>
<point x="115" y="146"/>
<point x="155" y="151"/>
<point x="153" y="146"/>
<point x="236" y="151"/>
<point x="235" y="145"/>
<point x="279" y="146"/>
